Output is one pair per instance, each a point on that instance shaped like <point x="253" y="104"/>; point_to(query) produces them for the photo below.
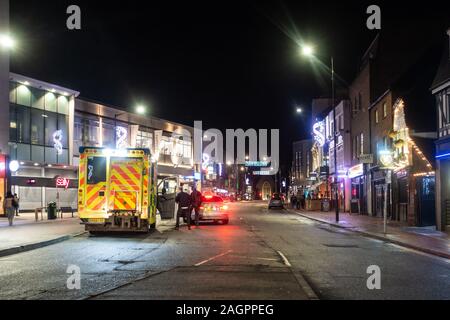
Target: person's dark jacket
<point x="183" y="199"/>
<point x="196" y="199"/>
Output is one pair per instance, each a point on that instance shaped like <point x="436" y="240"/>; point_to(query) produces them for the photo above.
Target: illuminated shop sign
<point x="319" y="133"/>
<point x="2" y="166"/>
<point x="356" y="171"/>
<point x="256" y="164"/>
<point x="62" y="182"/>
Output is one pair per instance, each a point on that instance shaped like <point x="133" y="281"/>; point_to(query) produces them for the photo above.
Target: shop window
<point x="23" y="95"/>
<point x="12" y="92"/>
<point x="12" y="123"/>
<point x="33" y="198"/>
<point x="63" y="105"/>
<point x="37" y="98"/>
<point x="37" y="154"/>
<point x="50" y="102"/>
<point x="23" y="152"/>
<point x="37" y="127"/>
<point x="64" y="157"/>
<point x="23" y="124"/>
<point x="13" y="151"/>
<point x="108" y="134"/>
<point x="50" y="155"/>
<point x="51" y="126"/>
<point x="63" y="126"/>
<point x="144" y="140"/>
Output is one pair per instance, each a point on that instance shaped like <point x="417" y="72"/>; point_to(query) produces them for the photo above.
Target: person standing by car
<point x="16" y="204"/>
<point x="8" y="207"/>
<point x="293" y="201"/>
<point x="196" y="202"/>
<point x="183" y="199"/>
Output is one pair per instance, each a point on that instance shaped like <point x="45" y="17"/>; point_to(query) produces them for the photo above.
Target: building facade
<point x="41" y="142"/>
<point x="360" y="97"/>
<point x="343" y="152"/>
<point x="441" y="92"/>
<point x="301" y="166"/>
<point x="47" y="126"/>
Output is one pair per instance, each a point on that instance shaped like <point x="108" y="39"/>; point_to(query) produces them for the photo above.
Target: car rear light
<point x="201" y="208"/>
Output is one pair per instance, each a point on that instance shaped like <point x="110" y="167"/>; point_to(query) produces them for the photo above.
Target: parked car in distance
<point x="276" y="201"/>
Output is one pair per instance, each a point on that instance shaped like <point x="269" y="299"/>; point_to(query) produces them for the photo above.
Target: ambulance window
<point x="96" y="170"/>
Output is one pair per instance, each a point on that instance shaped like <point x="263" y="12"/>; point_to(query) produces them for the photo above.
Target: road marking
<point x="256" y="258"/>
<point x="215" y="257"/>
<point x="285" y="260"/>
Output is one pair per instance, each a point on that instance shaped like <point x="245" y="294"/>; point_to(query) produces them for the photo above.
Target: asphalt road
<point x="262" y="254"/>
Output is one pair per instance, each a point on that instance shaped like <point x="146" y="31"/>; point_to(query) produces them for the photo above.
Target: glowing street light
<point x="307" y="51"/>
<point x="299" y="110"/>
<point x="141" y="109"/>
<point x="6" y="41"/>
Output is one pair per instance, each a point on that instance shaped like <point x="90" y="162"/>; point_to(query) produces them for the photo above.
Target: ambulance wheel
<point x="153" y="226"/>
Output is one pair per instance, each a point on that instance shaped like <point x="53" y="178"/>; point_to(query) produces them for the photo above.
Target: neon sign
<point x="356" y="171"/>
<point x="319" y="133"/>
<point x="62" y="182"/>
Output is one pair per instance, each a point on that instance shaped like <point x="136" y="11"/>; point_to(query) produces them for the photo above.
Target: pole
<point x="115" y="131"/>
<point x="336" y="194"/>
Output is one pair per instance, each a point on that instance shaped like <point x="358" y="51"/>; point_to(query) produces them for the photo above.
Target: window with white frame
<point x="144" y="140"/>
<point x="361" y="141"/>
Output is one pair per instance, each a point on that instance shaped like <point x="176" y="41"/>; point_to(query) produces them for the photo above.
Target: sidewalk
<point x="26" y="234"/>
<point x="426" y="240"/>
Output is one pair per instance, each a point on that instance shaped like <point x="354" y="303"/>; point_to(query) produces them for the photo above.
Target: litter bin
<point x="51" y="211"/>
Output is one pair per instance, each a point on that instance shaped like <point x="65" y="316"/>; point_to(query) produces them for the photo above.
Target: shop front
<point x="358" y="194"/>
<point x="36" y="191"/>
<point x="381" y="188"/>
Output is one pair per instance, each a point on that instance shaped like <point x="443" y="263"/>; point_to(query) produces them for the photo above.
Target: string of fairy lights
<point x="421" y="155"/>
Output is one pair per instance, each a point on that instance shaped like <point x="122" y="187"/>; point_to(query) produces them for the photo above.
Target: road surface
<point x="261" y="254"/>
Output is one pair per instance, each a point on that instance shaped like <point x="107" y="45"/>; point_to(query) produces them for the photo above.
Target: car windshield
<point x="207" y="199"/>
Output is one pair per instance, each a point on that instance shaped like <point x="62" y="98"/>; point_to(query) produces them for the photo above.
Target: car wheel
<point x="153" y="226"/>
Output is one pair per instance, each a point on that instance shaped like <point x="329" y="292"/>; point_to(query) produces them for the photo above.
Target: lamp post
<point x="309" y="51"/>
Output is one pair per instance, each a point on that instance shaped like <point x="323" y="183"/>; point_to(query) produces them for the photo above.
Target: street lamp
<point x="141" y="109"/>
<point x="6" y="41"/>
<point x="309" y="52"/>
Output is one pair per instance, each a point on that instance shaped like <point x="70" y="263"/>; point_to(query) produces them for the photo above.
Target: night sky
<point x="232" y="64"/>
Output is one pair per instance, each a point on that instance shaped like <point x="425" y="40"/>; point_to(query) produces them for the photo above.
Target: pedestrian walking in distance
<point x="16" y="204"/>
<point x="196" y="202"/>
<point x="8" y="207"/>
<point x="183" y="200"/>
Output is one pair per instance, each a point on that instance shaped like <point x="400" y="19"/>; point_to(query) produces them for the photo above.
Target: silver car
<point x="276" y="202"/>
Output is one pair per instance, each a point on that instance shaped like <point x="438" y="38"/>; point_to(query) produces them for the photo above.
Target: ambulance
<point x="117" y="190"/>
